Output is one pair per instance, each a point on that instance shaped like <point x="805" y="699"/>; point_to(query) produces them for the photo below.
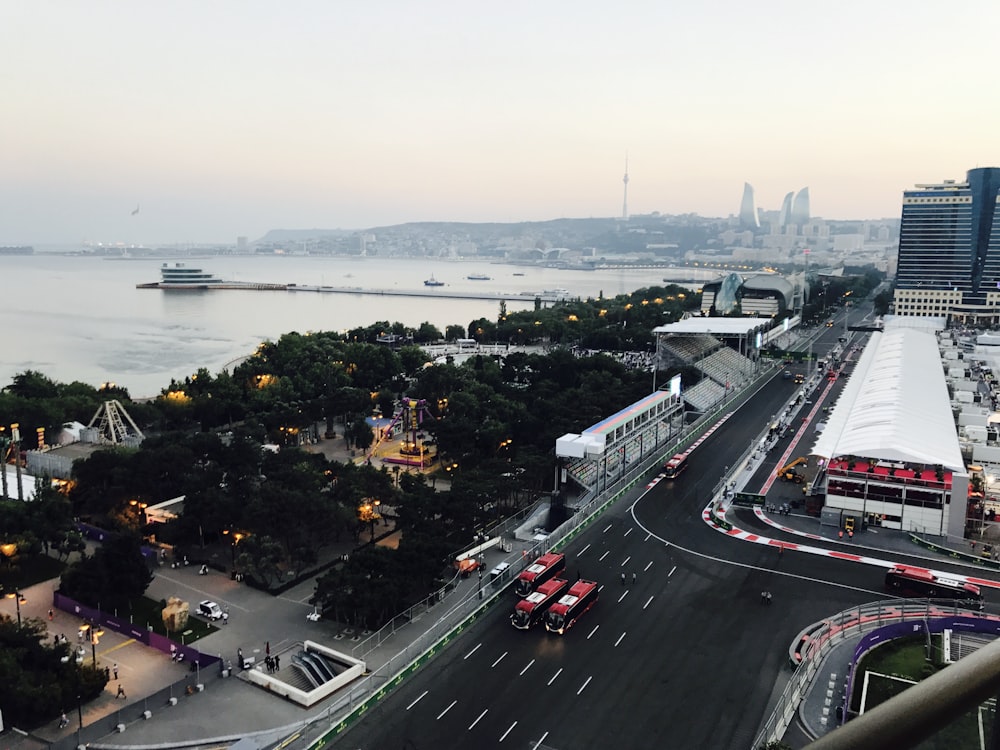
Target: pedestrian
<point x="763" y="597"/>
<point x="623" y="579"/>
<point x="114" y="669"/>
<point x="107" y="674"/>
<point x="225" y="618"/>
<point x="768" y="598"/>
<point x="633" y="576"/>
<point x="51" y="614"/>
<point x="121" y="693"/>
<point x="277" y="662"/>
<point x="63" y="720"/>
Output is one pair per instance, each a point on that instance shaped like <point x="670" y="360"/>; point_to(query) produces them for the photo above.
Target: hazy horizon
<point x="233" y="118"/>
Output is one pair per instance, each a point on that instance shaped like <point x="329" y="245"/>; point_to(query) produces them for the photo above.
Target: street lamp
<point x="19" y="599"/>
<point x="95" y="633"/>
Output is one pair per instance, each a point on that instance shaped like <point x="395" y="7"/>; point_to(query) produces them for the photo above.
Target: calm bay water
<point x="81" y="318"/>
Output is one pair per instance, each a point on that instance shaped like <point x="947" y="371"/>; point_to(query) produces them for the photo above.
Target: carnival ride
<point x="408" y="418"/>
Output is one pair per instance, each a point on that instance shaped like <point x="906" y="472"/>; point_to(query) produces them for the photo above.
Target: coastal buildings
<point x="949" y="250"/>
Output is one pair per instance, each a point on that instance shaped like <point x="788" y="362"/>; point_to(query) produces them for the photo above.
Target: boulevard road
<point x="686" y="657"/>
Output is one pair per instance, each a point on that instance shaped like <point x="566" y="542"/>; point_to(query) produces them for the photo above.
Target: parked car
<point x="211" y="610"/>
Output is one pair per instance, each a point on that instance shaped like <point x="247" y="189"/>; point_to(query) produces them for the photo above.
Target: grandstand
<point x="724" y="350"/>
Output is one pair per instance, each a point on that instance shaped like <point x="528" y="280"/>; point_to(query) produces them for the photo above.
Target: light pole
<point x="19" y="599"/>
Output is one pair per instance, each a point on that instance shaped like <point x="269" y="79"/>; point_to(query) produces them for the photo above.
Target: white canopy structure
<point x="895" y="405"/>
<point x="715" y="326"/>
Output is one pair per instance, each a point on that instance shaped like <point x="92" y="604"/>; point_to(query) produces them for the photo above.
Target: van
<point x="210" y="610"/>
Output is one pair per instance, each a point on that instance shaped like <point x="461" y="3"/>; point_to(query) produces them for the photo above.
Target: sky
<point x="227" y="118"/>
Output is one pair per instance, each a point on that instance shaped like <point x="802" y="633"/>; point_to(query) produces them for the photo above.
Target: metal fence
<point x="814" y="645"/>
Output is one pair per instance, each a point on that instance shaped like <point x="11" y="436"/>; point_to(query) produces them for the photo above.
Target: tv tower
<point x="625" y="198"/>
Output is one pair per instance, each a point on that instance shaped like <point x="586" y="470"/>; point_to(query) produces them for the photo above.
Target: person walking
<point x="633" y="576"/>
<point x="114" y="669"/>
<point x="121" y="693"/>
<point x="623" y="579"/>
<point x="63" y="720"/>
<point x="51" y="615"/>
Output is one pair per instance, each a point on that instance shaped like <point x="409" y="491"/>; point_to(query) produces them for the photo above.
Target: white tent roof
<point x="715" y="326"/>
<point x="895" y="405"/>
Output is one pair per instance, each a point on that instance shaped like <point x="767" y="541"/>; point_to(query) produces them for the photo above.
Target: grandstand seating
<point x="726" y="366"/>
<point x="704" y="395"/>
<point x="690" y="348"/>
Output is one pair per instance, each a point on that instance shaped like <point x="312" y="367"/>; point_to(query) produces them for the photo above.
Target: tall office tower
<point x="625" y="198"/>
<point x="748" y="209"/>
<point x="949" y="250"/>
<point x="785" y="217"/>
<point x="800" y="207"/>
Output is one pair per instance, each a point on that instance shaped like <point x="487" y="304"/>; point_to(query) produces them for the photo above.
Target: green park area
<point x="900" y="663"/>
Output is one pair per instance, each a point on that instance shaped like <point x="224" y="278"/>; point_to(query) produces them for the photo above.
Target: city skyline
<point x="187" y="123"/>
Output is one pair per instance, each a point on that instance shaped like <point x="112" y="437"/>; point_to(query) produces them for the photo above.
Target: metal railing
<point x="813" y="645"/>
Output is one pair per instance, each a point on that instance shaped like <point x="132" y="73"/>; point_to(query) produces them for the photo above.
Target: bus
<point x="545" y="568"/>
<point x="903" y="580"/>
<point x="531" y="609"/>
<point x="565" y="612"/>
<point x="675" y="466"/>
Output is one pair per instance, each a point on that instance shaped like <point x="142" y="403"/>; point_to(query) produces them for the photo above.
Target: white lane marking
<point x="593" y="631"/>
<point x="478" y="718"/>
<point x="648" y="566"/>
<point x="539" y="743"/>
<point x="577" y="554"/>
<point x="648" y="537"/>
<point x="504" y="735"/>
<point x="628" y="532"/>
<point x="604" y="555"/>
<point x="556" y="675"/>
<point x="625" y="561"/>
<point x="606" y="529"/>
<point x="498" y="660"/>
<point x="416" y="701"/>
<point x="450" y="706"/>
<point x="671" y="571"/>
<point x="584" y="685"/>
<point x="647" y="602"/>
<point x="472" y="652"/>
<point x="600" y="588"/>
<point x="527" y="667"/>
<point x="619" y="639"/>
<point x="622" y="596"/>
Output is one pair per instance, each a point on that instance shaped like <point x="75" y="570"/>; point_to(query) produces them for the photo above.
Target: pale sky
<point x="222" y="118"/>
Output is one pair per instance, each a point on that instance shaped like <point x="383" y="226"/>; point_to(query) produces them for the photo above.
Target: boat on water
<point x="179" y="276"/>
<point x="433" y="282"/>
<point x="517" y="273"/>
<point x="556" y="292"/>
<point x="478" y="277"/>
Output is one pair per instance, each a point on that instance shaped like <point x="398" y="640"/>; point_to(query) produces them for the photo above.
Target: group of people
<point x="273" y="663"/>
<point x="765" y="597"/>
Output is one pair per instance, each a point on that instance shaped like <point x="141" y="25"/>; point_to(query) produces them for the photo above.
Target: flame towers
<point x="748" y="209"/>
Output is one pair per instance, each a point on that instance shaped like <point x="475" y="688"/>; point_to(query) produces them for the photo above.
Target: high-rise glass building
<point x="748" y="209"/>
<point x="800" y="207"/>
<point x="949" y="250"/>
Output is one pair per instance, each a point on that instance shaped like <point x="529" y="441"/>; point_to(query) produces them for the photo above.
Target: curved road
<point x="686" y="657"/>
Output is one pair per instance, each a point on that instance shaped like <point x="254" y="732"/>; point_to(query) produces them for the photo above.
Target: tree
<point x="116" y="573"/>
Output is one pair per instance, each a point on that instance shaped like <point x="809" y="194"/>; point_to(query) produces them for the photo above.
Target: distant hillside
<point x="300" y="235"/>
